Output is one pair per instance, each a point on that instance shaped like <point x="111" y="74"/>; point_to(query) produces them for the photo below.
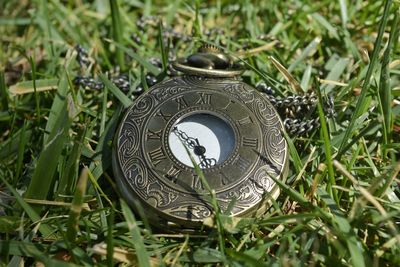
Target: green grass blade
<point x="110" y="242"/>
<point x="307" y="52"/>
<point x="364" y="90"/>
<point x="69" y="175"/>
<point x="33" y="250"/>
<point x="246" y="259"/>
<point x="117" y="29"/>
<point x="213" y="200"/>
<point x="345" y="229"/>
<point x="103" y="111"/>
<point x="115" y="91"/>
<point x="102" y="160"/>
<point x="197" y="30"/>
<point x="384" y="85"/>
<point x="141" y="251"/>
<point x="98" y="188"/>
<point x="44" y="229"/>
<point x="334" y="74"/>
<point x="58" y="103"/>
<point x="294" y="155"/>
<point x="343" y="13"/>
<point x="326" y="24"/>
<point x="3" y="92"/>
<point x="43" y="177"/>
<point x="11" y="147"/>
<point x="139" y="59"/>
<point x="305" y="80"/>
<point x="37" y="101"/>
<point x="164" y="52"/>
<point x="305" y="226"/>
<point x="23" y="140"/>
<point x="327" y="145"/>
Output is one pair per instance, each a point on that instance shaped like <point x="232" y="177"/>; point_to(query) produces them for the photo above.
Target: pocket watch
<point x="209" y="118"/>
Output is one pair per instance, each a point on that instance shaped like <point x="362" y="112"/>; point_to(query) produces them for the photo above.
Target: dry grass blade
<point x="257" y="50"/>
<point x="77" y="206"/>
<point x="294" y="84"/>
<point x="27" y="87"/>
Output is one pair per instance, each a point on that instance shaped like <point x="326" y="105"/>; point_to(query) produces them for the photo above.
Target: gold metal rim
<point x="225" y="73"/>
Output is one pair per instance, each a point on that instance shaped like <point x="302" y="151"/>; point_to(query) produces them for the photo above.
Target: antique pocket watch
<point x="208" y="117"/>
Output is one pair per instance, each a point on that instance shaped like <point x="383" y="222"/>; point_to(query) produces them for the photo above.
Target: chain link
<point x="297" y="110"/>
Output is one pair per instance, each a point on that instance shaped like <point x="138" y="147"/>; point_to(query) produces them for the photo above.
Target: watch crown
<point x="209" y="61"/>
<point x="209" y="48"/>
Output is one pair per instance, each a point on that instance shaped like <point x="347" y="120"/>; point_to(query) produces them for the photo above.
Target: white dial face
<point x="208" y="139"/>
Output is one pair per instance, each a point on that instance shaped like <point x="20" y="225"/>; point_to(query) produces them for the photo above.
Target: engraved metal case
<point x="150" y="176"/>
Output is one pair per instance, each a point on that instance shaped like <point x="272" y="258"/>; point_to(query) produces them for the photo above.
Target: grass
<point x="58" y="204"/>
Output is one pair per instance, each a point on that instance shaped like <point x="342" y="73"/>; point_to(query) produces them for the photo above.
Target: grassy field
<point x="58" y="204"/>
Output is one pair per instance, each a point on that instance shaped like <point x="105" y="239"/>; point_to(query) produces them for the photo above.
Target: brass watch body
<point x="149" y="174"/>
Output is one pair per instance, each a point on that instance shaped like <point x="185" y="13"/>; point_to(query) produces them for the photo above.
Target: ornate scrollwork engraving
<point x="143" y="106"/>
<point x="240" y="91"/>
<point x="161" y="194"/>
<point x="265" y="112"/>
<point x="128" y="142"/>
<point x="136" y="173"/>
<point x="262" y="180"/>
<point x="275" y="146"/>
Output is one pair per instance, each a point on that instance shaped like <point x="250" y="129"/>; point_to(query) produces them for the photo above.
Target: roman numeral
<point x="227" y="105"/>
<point x="205" y="99"/>
<point x="245" y="120"/>
<point x="154" y="135"/>
<point x="242" y="163"/>
<point x="181" y="102"/>
<point x="165" y="117"/>
<point x="173" y="173"/>
<point x="196" y="183"/>
<point x="249" y="142"/>
<point x="156" y="156"/>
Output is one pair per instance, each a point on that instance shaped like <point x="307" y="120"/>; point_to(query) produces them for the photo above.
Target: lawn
<point x="59" y="205"/>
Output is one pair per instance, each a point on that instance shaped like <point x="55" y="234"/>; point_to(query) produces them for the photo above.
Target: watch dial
<point x="232" y="132"/>
<point x="207" y="138"/>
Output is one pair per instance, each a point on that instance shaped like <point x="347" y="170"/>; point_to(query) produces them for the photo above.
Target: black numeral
<point x="227" y="105"/>
<point x="173" y="173"/>
<point x="249" y="142"/>
<point x="157" y="156"/>
<point x="165" y="117"/>
<point x="245" y="120"/>
<point x="205" y="99"/>
<point x="242" y="163"/>
<point x="154" y="135"/>
<point x="181" y="102"/>
<point x="196" y="183"/>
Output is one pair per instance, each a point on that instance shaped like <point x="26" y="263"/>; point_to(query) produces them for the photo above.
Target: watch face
<point x="223" y="126"/>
